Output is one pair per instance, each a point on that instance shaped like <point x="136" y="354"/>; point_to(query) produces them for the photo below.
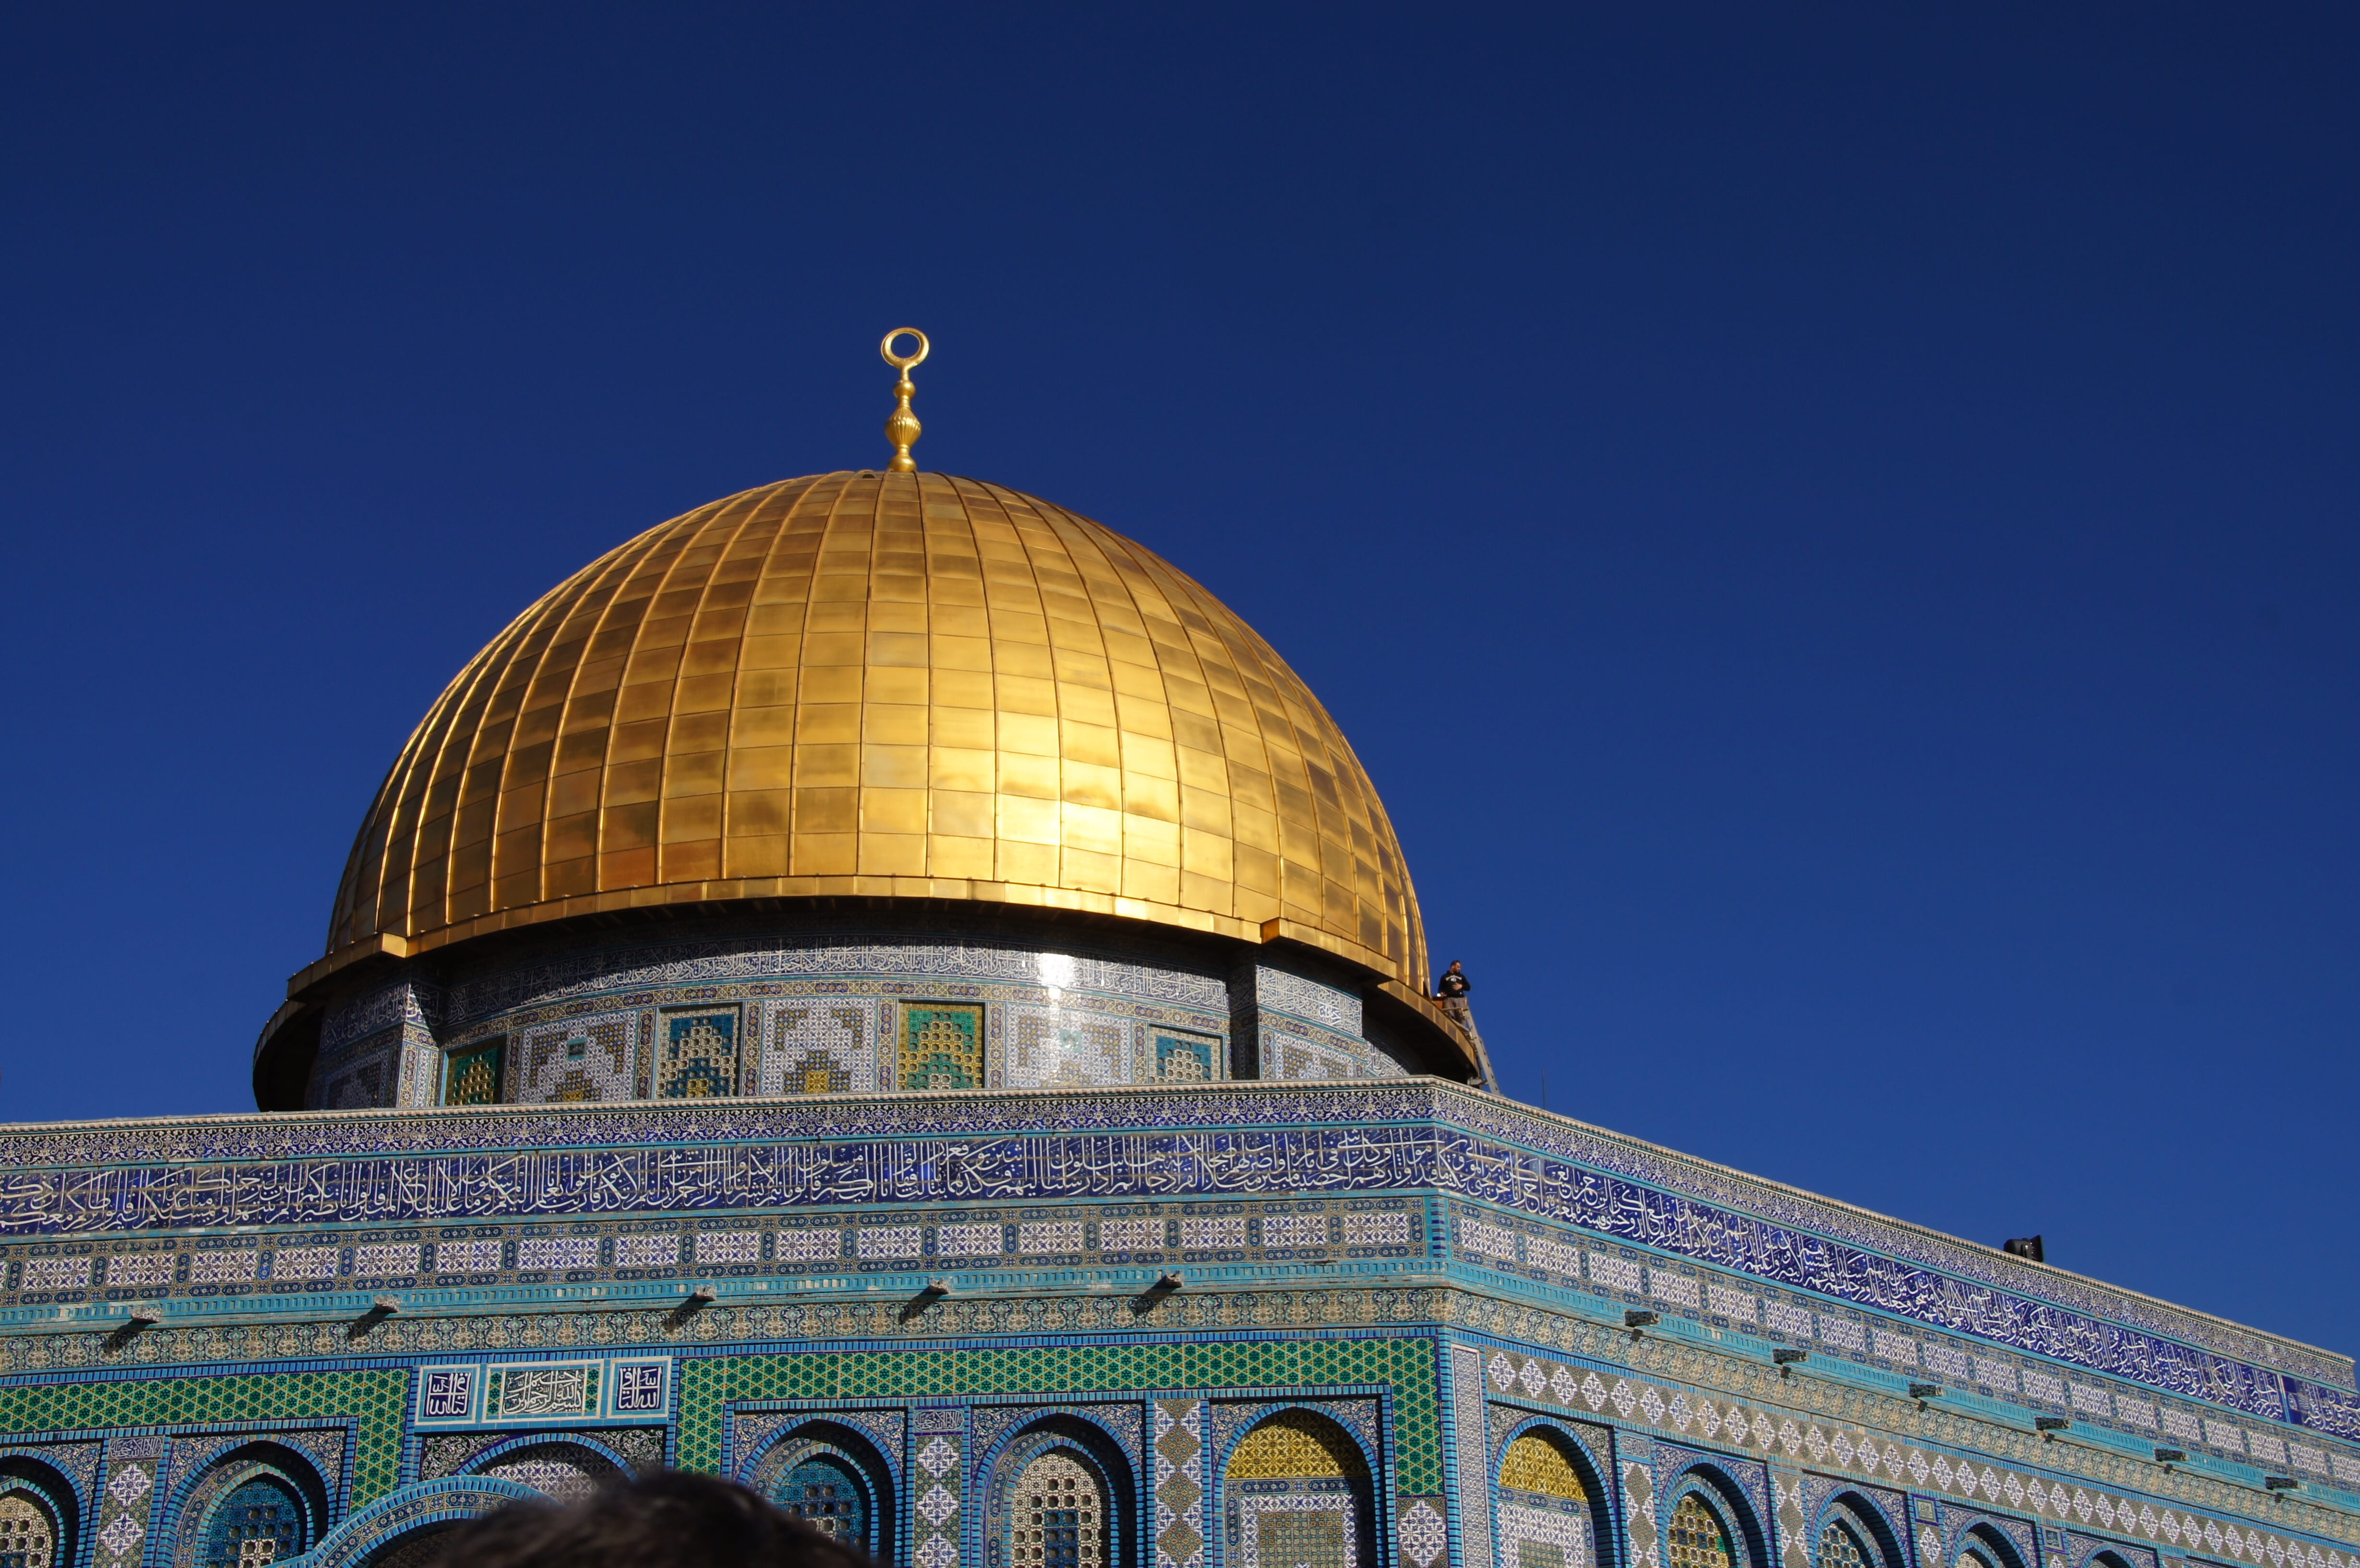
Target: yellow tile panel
<point x="912" y="683"/>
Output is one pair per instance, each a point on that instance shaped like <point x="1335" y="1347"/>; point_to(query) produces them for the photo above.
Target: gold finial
<point x="901" y="426"/>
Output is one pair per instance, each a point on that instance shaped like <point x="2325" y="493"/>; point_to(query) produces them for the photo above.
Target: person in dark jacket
<point x="1450" y="989"/>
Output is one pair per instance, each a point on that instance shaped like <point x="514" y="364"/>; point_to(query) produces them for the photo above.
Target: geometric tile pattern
<point x="372" y="1398"/>
<point x="1421" y="1532"/>
<point x="1794" y="1530"/>
<point x="1295" y="1529"/>
<point x="1544" y="1516"/>
<point x="940" y="1442"/>
<point x="27" y="1538"/>
<point x="1183" y="1058"/>
<point x="1697" y="1539"/>
<point x="825" y="1045"/>
<point x="1471" y="1445"/>
<point x="1639" y="1515"/>
<point x="697" y="1054"/>
<point x="1178" y="1449"/>
<point x="585" y="1058"/>
<point x="1544" y="1538"/>
<point x="942" y="1047"/>
<point x="124" y="1510"/>
<point x="1052" y="1046"/>
<point x="472" y="1077"/>
<point x="1298" y="1491"/>
<point x="1406" y="1366"/>
<point x="1415" y="1135"/>
<point x="1834" y="1446"/>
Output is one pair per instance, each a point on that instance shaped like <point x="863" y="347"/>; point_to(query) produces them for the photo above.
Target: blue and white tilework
<point x="1064" y="1046"/>
<point x="588" y="1056"/>
<point x="1125" y="1148"/>
<point x="1054" y="1018"/>
<point x="821" y="1045"/>
<point x="1471" y="1453"/>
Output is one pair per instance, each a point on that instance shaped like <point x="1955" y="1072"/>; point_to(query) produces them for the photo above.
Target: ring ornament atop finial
<point x="901" y="426"/>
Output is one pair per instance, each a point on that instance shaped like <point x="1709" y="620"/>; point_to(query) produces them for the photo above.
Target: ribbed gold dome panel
<point x="882" y="684"/>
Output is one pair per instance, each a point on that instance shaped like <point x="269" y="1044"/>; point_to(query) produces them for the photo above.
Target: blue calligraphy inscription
<point x="412" y="1189"/>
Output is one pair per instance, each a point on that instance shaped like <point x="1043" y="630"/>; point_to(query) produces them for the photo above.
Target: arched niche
<point x="399" y="1531"/>
<point x="1986" y="1546"/>
<point x="35" y="1521"/>
<point x="1297" y="1490"/>
<point x="560" y="1469"/>
<point x="1709" y="1523"/>
<point x="1852" y="1530"/>
<point x="1062" y="1494"/>
<point x="833" y="1479"/>
<point x="1551" y="1494"/>
<point x="253" y="1503"/>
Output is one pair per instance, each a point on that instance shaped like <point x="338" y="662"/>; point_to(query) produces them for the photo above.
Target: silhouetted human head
<point x="664" y="1519"/>
<point x="1454" y="963"/>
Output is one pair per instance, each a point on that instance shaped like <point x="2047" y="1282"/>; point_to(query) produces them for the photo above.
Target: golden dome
<point x="882" y="684"/>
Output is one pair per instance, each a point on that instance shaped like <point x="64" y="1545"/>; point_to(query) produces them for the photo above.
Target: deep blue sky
<point x="1832" y="530"/>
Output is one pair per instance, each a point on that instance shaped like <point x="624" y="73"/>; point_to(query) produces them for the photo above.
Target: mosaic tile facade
<point x="1364" y="1254"/>
<point x="1555" y="1208"/>
<point x="1066" y="1019"/>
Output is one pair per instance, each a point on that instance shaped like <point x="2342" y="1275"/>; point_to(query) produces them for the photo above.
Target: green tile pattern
<point x="375" y="1400"/>
<point x="1406" y="1366"/>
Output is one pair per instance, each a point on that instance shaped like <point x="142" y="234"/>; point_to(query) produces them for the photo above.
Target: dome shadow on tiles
<point x="909" y="706"/>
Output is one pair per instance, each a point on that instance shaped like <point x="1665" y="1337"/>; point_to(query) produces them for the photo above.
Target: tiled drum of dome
<point x="1543" y="1509"/>
<point x="942" y="1048"/>
<point x="1297" y="1494"/>
<point x="698" y="1056"/>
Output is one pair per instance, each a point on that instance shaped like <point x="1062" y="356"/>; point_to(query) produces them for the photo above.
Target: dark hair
<point x="665" y="1519"/>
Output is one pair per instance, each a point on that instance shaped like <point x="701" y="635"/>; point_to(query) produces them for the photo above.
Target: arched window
<point x="1543" y="1513"/>
<point x="565" y="1471"/>
<point x="1841" y="1546"/>
<point x="1971" y="1558"/>
<point x="1697" y="1539"/>
<point x="822" y="1491"/>
<point x="260" y="1522"/>
<point x="1298" y="1494"/>
<point x="29" y="1537"/>
<point x="1059" y="1516"/>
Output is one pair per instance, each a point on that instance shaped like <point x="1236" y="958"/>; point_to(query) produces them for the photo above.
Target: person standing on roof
<point x="1451" y="990"/>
